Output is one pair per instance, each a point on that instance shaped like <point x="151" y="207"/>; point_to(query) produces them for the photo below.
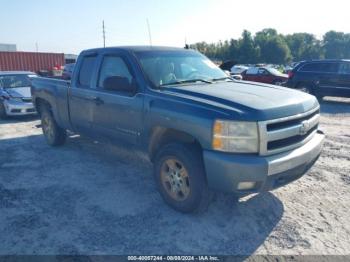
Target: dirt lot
<point x="89" y="198"/>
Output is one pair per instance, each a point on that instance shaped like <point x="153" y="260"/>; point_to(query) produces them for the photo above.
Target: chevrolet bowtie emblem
<point x="305" y="126"/>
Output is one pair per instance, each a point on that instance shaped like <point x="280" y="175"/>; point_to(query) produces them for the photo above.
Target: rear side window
<point x="320" y="67"/>
<point x="344" y="68"/>
<point x="329" y="67"/>
<point x="86" y="70"/>
<point x="309" y="68"/>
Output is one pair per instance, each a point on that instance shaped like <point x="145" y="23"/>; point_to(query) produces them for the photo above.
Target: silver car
<point x="15" y="96"/>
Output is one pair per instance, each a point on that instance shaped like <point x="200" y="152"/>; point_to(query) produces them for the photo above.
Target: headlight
<point x="235" y="136"/>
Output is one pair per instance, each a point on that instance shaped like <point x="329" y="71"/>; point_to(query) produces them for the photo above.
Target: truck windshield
<point x="13" y="81"/>
<point x="178" y="67"/>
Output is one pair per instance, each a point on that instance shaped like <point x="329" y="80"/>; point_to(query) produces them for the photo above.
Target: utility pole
<point x="104" y="33"/>
<point x="149" y="33"/>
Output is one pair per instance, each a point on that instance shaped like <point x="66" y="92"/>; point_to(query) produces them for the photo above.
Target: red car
<point x="264" y="75"/>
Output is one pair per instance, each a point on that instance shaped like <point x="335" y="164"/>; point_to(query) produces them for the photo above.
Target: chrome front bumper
<point x="225" y="172"/>
<point x="291" y="159"/>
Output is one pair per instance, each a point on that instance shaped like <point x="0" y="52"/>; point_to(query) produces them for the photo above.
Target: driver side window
<point x="113" y="66"/>
<point x="262" y="71"/>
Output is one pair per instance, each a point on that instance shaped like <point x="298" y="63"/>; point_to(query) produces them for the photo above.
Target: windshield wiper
<point x="188" y="81"/>
<point x="222" y="78"/>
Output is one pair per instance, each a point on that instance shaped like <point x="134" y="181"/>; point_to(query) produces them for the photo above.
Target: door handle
<point x="98" y="101"/>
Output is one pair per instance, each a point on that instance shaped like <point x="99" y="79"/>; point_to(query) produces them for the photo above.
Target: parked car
<point x="68" y="71"/>
<point x="322" y="78"/>
<point x="266" y="75"/>
<point x="227" y="65"/>
<point x="15" y="96"/>
<point x="202" y="130"/>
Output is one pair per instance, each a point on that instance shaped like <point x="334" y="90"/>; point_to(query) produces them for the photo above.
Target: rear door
<point x="328" y="77"/>
<point x="81" y="96"/>
<point x="343" y="81"/>
<point x="118" y="115"/>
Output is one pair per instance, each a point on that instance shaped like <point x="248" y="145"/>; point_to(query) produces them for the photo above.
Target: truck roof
<point x="325" y="60"/>
<point x="137" y="48"/>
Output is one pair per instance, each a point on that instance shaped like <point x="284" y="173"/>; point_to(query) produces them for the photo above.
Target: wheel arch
<point x="162" y="135"/>
<point x="40" y="103"/>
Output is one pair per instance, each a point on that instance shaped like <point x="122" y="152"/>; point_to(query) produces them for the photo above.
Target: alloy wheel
<point x="175" y="179"/>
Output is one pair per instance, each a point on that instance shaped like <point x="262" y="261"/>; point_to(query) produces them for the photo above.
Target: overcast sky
<point x="70" y="26"/>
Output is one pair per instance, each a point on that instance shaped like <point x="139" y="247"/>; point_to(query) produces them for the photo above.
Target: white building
<point x="8" y="47"/>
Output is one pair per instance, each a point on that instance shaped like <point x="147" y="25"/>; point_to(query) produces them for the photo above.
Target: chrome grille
<point x="279" y="135"/>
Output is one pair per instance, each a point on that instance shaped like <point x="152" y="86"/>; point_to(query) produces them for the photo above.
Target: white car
<point x="238" y="69"/>
<point x="15" y="95"/>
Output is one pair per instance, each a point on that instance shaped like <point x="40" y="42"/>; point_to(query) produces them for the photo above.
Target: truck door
<point x="81" y="96"/>
<point x="118" y="112"/>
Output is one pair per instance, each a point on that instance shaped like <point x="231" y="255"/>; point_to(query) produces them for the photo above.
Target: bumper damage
<point x="244" y="174"/>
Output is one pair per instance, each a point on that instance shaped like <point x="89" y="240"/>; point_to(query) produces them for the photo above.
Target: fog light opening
<point x="246" y="185"/>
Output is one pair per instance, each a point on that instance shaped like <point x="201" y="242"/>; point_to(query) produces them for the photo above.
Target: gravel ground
<point x="89" y="198"/>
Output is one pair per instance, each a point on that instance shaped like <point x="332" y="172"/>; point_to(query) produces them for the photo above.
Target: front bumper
<point x="225" y="172"/>
<point x="16" y="108"/>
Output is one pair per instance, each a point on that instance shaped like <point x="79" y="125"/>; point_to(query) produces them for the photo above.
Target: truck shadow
<point x="335" y="106"/>
<point x="18" y="119"/>
<point x="91" y="198"/>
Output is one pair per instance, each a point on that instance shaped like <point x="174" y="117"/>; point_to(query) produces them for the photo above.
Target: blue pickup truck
<point x="203" y="131"/>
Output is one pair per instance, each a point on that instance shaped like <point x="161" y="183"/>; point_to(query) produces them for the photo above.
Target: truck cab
<point x="202" y="130"/>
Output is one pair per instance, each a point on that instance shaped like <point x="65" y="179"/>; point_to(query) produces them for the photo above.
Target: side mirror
<point x="228" y="73"/>
<point x="119" y="83"/>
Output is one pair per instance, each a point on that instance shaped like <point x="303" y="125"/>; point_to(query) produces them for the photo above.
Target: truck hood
<point x="248" y="100"/>
<point x="19" y="92"/>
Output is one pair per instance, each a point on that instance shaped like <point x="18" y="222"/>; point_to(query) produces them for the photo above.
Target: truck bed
<point x="55" y="91"/>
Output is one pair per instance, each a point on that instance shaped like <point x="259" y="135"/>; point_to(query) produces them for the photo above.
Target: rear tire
<point x="55" y="136"/>
<point x="277" y="82"/>
<point x="304" y="89"/>
<point x="309" y="90"/>
<point x="3" y="114"/>
<point x="180" y="177"/>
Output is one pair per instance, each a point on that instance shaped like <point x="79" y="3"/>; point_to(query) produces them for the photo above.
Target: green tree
<point x="304" y="46"/>
<point x="273" y="47"/>
<point x="248" y="51"/>
<point x="267" y="46"/>
<point x="336" y="45"/>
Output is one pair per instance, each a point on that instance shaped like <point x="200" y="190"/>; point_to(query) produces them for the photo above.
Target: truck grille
<point x="287" y="133"/>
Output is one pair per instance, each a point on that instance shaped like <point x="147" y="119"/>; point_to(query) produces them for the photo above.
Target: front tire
<point x="55" y="136"/>
<point x="309" y="90"/>
<point x="180" y="177"/>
